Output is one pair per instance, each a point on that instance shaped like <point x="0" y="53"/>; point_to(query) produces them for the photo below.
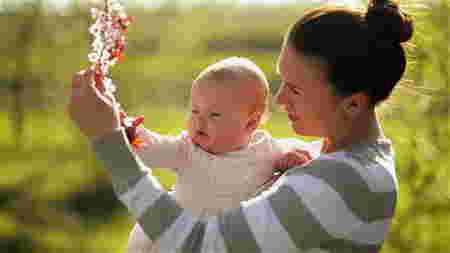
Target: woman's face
<point x="305" y="95"/>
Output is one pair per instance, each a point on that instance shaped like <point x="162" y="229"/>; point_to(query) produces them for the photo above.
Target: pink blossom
<point x="108" y="42"/>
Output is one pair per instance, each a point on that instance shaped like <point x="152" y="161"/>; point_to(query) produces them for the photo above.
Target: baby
<point x="222" y="158"/>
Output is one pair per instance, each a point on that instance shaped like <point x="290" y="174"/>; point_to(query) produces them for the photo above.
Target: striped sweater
<point x="340" y="202"/>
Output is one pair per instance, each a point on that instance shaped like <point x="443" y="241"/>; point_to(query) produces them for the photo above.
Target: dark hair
<point x="361" y="49"/>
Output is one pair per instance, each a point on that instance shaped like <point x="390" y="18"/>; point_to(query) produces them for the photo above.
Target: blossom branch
<point x="107" y="49"/>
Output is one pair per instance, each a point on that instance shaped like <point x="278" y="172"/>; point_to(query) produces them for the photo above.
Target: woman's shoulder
<point x="368" y="169"/>
<point x="367" y="189"/>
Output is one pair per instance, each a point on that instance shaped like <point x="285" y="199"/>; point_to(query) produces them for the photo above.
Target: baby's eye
<point x="195" y="111"/>
<point x="215" y="115"/>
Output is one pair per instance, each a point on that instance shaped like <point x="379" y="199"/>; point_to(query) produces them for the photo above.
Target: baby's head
<point x="229" y="100"/>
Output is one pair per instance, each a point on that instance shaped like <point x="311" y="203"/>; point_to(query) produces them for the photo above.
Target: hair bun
<point x="388" y="23"/>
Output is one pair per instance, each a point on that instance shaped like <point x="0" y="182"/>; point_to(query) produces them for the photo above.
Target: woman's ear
<point x="356" y="103"/>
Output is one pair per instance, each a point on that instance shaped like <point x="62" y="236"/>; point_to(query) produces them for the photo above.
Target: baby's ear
<point x="254" y="121"/>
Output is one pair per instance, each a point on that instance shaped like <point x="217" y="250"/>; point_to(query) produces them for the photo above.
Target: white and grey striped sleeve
<point x="326" y="206"/>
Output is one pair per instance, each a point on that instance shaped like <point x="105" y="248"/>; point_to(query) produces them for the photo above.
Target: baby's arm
<point x="161" y="151"/>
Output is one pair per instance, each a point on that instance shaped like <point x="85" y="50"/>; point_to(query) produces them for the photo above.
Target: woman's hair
<point x="361" y="49"/>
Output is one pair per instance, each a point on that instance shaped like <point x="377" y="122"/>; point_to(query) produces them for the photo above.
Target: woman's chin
<point x="298" y="129"/>
<point x="294" y="126"/>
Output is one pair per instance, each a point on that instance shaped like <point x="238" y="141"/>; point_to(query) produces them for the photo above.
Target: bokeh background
<point x="54" y="196"/>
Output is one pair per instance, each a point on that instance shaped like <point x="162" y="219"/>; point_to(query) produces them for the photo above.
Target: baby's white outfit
<point x="208" y="183"/>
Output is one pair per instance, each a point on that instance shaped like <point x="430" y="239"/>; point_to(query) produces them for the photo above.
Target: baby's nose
<point x="200" y="124"/>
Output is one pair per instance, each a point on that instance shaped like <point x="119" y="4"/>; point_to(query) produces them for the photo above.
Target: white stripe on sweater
<point x="265" y="225"/>
<point x="213" y="241"/>
<point x="176" y="234"/>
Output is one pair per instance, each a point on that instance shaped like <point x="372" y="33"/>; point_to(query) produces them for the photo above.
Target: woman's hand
<point x="93" y="110"/>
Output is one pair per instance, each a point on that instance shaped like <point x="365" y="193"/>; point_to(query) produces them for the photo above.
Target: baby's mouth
<point x="199" y="138"/>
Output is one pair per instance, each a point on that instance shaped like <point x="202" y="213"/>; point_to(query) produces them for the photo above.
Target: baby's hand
<point x="291" y="159"/>
<point x="131" y="125"/>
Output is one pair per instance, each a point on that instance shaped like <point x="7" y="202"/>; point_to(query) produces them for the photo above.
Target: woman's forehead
<point x="290" y="66"/>
<point x="294" y="67"/>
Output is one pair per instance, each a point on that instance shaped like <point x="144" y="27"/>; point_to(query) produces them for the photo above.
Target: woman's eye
<point x="294" y="90"/>
<point x="195" y="112"/>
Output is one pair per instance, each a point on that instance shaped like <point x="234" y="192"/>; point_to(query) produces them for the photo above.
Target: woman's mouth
<point x="292" y="117"/>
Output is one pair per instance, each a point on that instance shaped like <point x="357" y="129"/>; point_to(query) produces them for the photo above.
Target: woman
<point x="344" y="201"/>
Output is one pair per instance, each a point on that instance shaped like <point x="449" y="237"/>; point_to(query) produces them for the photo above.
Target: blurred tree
<point x="29" y="221"/>
<point x="25" y="22"/>
<point x="423" y="217"/>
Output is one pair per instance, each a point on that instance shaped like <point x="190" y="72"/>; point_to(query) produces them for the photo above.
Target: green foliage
<point x="54" y="197"/>
<point x="421" y="130"/>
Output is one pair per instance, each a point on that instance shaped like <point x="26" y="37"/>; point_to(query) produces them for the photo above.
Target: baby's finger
<point x="291" y="156"/>
<point x="304" y="154"/>
<point x="283" y="164"/>
<point x="277" y="164"/>
<point x="290" y="163"/>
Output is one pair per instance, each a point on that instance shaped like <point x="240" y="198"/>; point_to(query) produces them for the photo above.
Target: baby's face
<point x="220" y="117"/>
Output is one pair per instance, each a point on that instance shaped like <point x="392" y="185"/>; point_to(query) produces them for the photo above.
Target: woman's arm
<point x="329" y="204"/>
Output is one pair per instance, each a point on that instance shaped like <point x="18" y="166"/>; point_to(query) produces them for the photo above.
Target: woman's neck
<point x="366" y="130"/>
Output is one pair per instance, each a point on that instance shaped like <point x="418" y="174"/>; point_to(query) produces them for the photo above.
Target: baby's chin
<point x="205" y="147"/>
